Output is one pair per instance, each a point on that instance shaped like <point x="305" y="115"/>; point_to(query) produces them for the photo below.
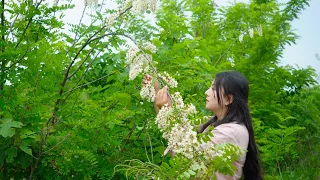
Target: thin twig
<point x="150" y="143"/>
<point x="145" y="150"/>
<point x="57" y="144"/>
<point x="75" y="37"/>
<point x="12" y="24"/>
<point x="91" y="82"/>
<point x="150" y="62"/>
<point x="25" y="29"/>
<point x="225" y="52"/>
<point x="89" y="55"/>
<point x="25" y="53"/>
<point x="90" y="39"/>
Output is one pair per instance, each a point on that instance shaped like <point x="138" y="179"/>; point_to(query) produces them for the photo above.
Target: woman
<point x="227" y="98"/>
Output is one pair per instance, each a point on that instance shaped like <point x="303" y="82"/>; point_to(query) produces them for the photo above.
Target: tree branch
<point x="2" y="26"/>
<point x="3" y="61"/>
<point x="57" y="144"/>
<point x="89" y="54"/>
<point x="75" y="37"/>
<point x="90" y="39"/>
<point x="11" y="26"/>
<point x="225" y="52"/>
<point x="25" y="29"/>
<point x="92" y="81"/>
<point x="18" y="61"/>
<point x="150" y="63"/>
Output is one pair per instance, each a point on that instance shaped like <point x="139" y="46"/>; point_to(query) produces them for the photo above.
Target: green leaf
<point x="191" y="172"/>
<point x="185" y="174"/>
<point x="24" y="147"/>
<point x="11" y="153"/>
<point x="6" y="131"/>
<point x="6" y="128"/>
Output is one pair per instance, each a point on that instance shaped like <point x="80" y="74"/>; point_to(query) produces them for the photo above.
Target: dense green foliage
<point x="72" y="113"/>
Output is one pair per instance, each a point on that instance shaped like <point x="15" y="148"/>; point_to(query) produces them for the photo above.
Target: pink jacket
<point x="236" y="134"/>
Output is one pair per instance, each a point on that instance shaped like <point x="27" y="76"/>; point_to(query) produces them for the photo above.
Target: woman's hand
<point x="147" y="78"/>
<point x="162" y="96"/>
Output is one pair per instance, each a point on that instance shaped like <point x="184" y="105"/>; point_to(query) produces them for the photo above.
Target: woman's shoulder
<point x="232" y="132"/>
<point x="232" y="126"/>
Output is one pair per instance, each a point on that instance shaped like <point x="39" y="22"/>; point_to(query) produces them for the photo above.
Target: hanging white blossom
<point x="182" y="139"/>
<point x="148" y="92"/>
<point x="231" y="60"/>
<point x="171" y="82"/>
<point x="131" y="53"/>
<point x="241" y="38"/>
<point x="163" y="117"/>
<point x="137" y="61"/>
<point x="178" y="101"/>
<point x="259" y="29"/>
<point x="8" y="83"/>
<point x="111" y="19"/>
<point x="150" y="47"/>
<point x="139" y="6"/>
<point x="138" y="65"/>
<point x="152" y="5"/>
<point x="251" y="33"/>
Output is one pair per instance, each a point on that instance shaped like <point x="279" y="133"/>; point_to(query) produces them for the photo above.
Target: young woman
<point x="227" y="98"/>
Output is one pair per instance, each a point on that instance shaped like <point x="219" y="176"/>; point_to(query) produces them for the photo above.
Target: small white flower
<point x="241" y="38"/>
<point x="152" y="5"/>
<point x="259" y="30"/>
<point x="111" y="19"/>
<point x="150" y="47"/>
<point x="131" y="53"/>
<point x="138" y="62"/>
<point x="171" y="82"/>
<point x="8" y="83"/>
<point x="139" y="6"/>
<point x="148" y="92"/>
<point x="251" y="33"/>
<point x="177" y="99"/>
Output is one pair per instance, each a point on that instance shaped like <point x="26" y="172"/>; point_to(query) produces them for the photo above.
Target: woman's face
<point x="212" y="101"/>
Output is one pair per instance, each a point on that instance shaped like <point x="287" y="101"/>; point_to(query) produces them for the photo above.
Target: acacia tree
<point x="71" y="111"/>
<point x="42" y="68"/>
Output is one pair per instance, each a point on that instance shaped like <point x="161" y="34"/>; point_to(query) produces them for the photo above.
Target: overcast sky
<point x="302" y="53"/>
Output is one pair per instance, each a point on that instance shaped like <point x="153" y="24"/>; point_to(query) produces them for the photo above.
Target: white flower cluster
<point x="164" y="116"/>
<point x="177" y="99"/>
<point x="181" y="137"/>
<point x="259" y="29"/>
<point x="171" y="82"/>
<point x="138" y="62"/>
<point x="140" y="6"/>
<point x="150" y="47"/>
<point x="148" y="92"/>
<point x="220" y="150"/>
<point x="241" y="37"/>
<point x="251" y="33"/>
<point x="111" y="19"/>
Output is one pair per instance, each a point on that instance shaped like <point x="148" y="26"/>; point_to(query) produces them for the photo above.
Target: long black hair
<point x="235" y="84"/>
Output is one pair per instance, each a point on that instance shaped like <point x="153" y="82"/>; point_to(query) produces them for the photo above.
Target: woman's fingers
<point x="156" y="87"/>
<point x="164" y="94"/>
<point x="162" y="97"/>
<point x="147" y="78"/>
